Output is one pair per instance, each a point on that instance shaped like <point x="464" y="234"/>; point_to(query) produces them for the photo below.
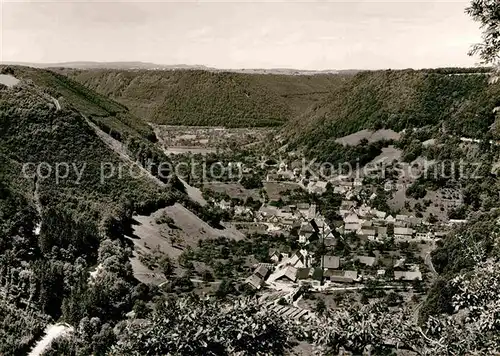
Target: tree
<point x="226" y="287"/>
<point x="487" y="13"/>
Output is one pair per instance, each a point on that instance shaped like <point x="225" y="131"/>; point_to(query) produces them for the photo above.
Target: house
<point x="390" y="220"/>
<point x="317" y="276"/>
<point x="388" y="186"/>
<point x="284" y="215"/>
<point x="340" y="190"/>
<point x="352" y="218"/>
<point x="254" y="281"/>
<point x="318" y="187"/>
<point x="299" y="259"/>
<point x="364" y="211"/>
<point x="407" y="275"/>
<point x="274" y="256"/>
<point x="369" y="233"/>
<point x="261" y="271"/>
<point x="381" y="273"/>
<point x="267" y="211"/>
<point x="272" y="177"/>
<point x="344" y="277"/>
<point x="331" y="262"/>
<point x="302" y="275"/>
<point x="288" y="223"/>
<point x="224" y="205"/>
<point x="346" y="207"/>
<point x="402" y="220"/>
<point x="352" y="227"/>
<point x="303" y="206"/>
<point x="287" y="274"/>
<point x="303" y="209"/>
<point x="403" y="232"/>
<point x="424" y="235"/>
<point x="366" y="223"/>
<point x="379" y="214"/>
<point x="329" y="241"/>
<point x="344" y="183"/>
<point x="311" y="276"/>
<point x="311" y="213"/>
<point x="366" y="260"/>
<point x="308" y="232"/>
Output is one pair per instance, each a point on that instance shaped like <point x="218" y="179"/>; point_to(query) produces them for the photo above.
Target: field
<point x="274" y="190"/>
<point x="8" y="80"/>
<point x="371" y="136"/>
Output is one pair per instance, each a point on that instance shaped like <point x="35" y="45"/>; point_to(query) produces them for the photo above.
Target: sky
<point x="363" y="34"/>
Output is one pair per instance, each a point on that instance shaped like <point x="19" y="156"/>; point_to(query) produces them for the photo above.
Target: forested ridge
<point x="52" y="233"/>
<point x="196" y="97"/>
<point x="457" y="100"/>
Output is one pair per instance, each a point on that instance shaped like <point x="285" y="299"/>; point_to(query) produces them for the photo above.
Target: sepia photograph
<point x="249" y="178"/>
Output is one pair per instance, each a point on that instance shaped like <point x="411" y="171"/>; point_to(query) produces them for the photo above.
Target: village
<point x="360" y="244"/>
<point x="293" y="230"/>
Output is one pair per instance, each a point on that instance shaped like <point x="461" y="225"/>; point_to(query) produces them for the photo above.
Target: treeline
<point x="201" y="98"/>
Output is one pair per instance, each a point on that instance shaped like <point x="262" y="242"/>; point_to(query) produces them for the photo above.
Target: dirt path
<point x="52" y="332"/>
<point x="56" y="103"/>
<point x="428" y="262"/>
<point x="194" y="193"/>
<point x="38" y="205"/>
<point x="120" y="149"/>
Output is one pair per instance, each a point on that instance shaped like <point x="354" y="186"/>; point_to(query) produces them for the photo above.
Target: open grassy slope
<point x="103" y="110"/>
<point x="195" y="97"/>
<point x="34" y="130"/>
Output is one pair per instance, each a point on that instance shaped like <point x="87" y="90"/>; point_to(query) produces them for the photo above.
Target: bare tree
<point x="487" y="13"/>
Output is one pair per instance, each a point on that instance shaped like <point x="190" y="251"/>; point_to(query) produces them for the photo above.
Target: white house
<point x="352" y="218"/>
<point x="390" y="220"/>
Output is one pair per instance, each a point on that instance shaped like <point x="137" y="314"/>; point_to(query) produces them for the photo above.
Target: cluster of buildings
<point x="356" y="216"/>
<point x="376" y="225"/>
<point x="290" y="270"/>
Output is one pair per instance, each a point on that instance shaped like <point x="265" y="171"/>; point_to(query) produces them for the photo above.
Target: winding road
<point x="52" y="332"/>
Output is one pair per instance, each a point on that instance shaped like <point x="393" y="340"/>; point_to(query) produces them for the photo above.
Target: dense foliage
<point x="53" y="231"/>
<point x="198" y="327"/>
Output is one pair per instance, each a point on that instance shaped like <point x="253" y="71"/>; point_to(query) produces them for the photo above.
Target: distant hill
<point x="155" y="66"/>
<point x="460" y="99"/>
<point x="105" y="65"/>
<point x="43" y="119"/>
<point x="197" y="97"/>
